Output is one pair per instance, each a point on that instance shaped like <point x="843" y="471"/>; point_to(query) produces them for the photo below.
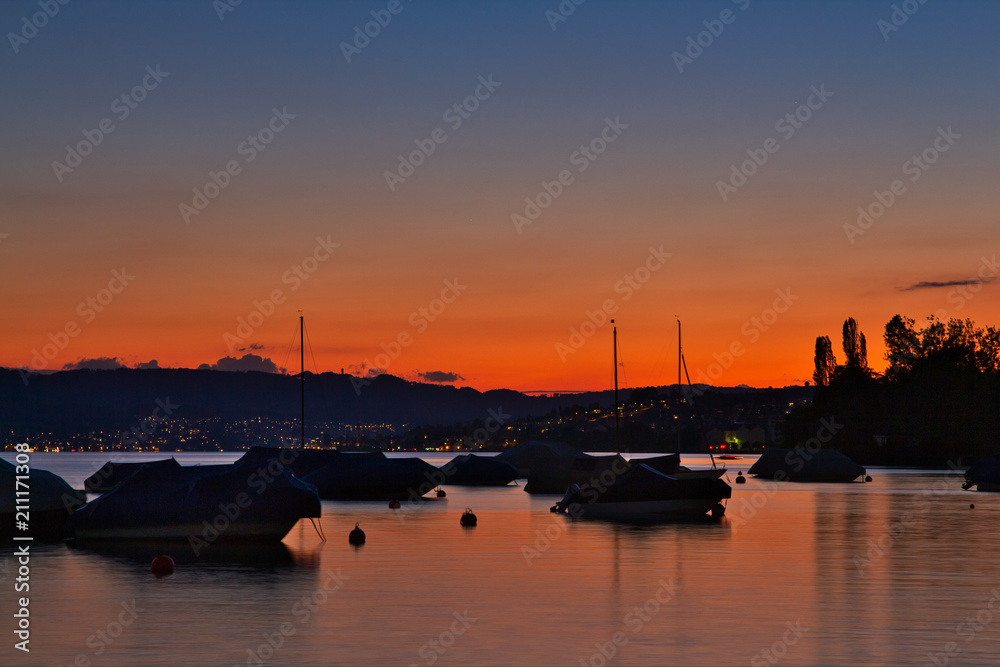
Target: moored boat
<point x="302" y="462"/>
<point x="238" y="503"/>
<point x="984" y="474"/>
<point x="802" y="465"/>
<point x="650" y="490"/>
<point x="554" y="474"/>
<point x="45" y="507"/>
<point x="645" y="495"/>
<point x="670" y="464"/>
<point x="373" y="477"/>
<point x="530" y="453"/>
<point x="473" y="470"/>
<point x="113" y="473"/>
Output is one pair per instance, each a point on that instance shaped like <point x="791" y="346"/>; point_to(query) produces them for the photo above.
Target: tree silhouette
<point x="938" y="401"/>
<point x="855" y="349"/>
<point x="825" y="362"/>
<point x="902" y="346"/>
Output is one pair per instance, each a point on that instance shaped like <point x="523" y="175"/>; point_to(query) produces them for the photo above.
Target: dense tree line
<point x="938" y="400"/>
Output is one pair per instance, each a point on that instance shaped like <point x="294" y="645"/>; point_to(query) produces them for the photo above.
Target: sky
<point x="470" y="192"/>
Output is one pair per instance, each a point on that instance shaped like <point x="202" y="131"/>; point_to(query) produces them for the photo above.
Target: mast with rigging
<point x="302" y="381"/>
<point x="615" y="354"/>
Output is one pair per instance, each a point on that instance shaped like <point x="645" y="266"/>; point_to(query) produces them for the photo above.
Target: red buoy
<point x="162" y="566"/>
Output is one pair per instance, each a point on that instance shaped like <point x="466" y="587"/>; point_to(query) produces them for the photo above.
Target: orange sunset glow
<point x="758" y="201"/>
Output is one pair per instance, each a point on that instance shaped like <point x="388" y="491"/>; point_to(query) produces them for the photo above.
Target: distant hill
<point x="93" y="398"/>
<point x="81" y="400"/>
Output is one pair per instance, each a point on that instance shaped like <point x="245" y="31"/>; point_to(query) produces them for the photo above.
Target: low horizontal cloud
<point x="96" y="363"/>
<point x="440" y="376"/>
<point x="107" y="363"/>
<point x="934" y="284"/>
<point x="248" y="362"/>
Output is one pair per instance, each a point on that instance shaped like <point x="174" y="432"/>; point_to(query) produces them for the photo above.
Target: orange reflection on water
<point x="790" y="571"/>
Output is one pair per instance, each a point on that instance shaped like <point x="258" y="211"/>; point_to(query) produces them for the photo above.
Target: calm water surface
<point x="882" y="573"/>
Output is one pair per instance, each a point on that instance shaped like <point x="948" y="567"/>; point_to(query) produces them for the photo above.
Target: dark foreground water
<point x="899" y="571"/>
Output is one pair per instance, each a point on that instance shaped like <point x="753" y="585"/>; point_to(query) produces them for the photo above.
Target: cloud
<point x="365" y="371"/>
<point x="440" y="376"/>
<point x="932" y="284"/>
<point x="97" y="363"/>
<point x="248" y="362"/>
<point x="152" y="363"/>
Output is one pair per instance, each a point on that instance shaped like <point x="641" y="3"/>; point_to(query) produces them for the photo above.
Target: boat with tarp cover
<point x="239" y="503"/>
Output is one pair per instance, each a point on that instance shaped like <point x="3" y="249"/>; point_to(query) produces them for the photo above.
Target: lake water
<point x="898" y="571"/>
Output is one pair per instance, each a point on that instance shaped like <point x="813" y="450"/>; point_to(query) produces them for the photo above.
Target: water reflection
<point x="142" y="553"/>
<point x="872" y="584"/>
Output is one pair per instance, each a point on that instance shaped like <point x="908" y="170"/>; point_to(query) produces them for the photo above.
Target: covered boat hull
<point x="236" y="504"/>
<point x="341" y="475"/>
<point x="50" y="502"/>
<point x="113" y="473"/>
<point x="800" y="465"/>
<point x="553" y="475"/>
<point x="49" y="525"/>
<point x="472" y="470"/>
<point x="643" y="494"/>
<point x="367" y="479"/>
<point x="670" y="464"/>
<point x="528" y="454"/>
<point x="988" y="487"/>
<point x="245" y="531"/>
<point x="984" y="475"/>
<point x="653" y="511"/>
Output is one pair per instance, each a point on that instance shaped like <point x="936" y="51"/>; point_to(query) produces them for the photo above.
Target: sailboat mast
<point x="615" y="354"/>
<point x="302" y="380"/>
<point x="680" y="355"/>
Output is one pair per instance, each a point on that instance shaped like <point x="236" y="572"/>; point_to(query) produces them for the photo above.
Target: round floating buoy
<point x="740" y="479"/>
<point x="468" y="519"/>
<point x="162" y="566"/>
<point x="868" y="478"/>
<point x="394" y="504"/>
<point x="441" y="493"/>
<point x="357" y="535"/>
<point x="971" y="506"/>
